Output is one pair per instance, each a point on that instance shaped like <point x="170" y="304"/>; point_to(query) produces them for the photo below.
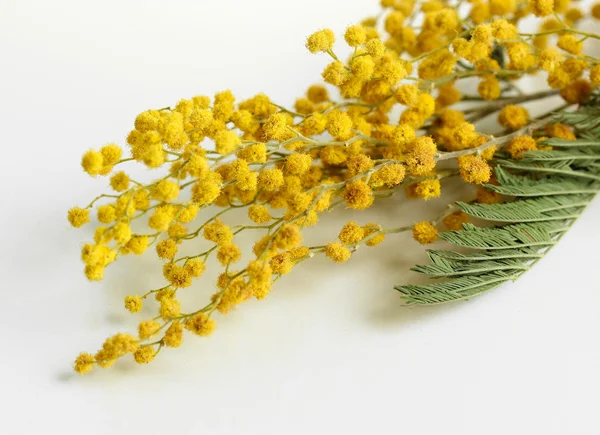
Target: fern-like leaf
<point x="551" y="190"/>
<point x="528" y="186"/>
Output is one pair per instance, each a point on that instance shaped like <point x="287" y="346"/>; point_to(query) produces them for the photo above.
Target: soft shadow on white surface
<point x="330" y="350"/>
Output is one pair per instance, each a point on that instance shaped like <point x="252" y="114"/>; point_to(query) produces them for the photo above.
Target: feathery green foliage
<point x="550" y="188"/>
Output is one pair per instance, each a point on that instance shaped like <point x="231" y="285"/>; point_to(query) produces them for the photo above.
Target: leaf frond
<point x="550" y="188"/>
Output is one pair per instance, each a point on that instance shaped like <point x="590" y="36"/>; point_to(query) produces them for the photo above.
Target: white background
<point x="331" y="350"/>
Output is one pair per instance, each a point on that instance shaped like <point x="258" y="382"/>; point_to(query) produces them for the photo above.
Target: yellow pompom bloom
<point x="577" y="92"/>
<point x="169" y="308"/>
<point x="281" y="263"/>
<point x="358" y="195"/>
<point x="351" y="233"/>
<point x="148" y="328"/>
<point x="502" y="7"/>
<point x="247" y="182"/>
<point x="355" y="35"/>
<point x="259" y="214"/>
<point x="358" y="164"/>
<point x="426" y="189"/>
<point x="390" y="175"/>
<point x="373" y="240"/>
<point x="421" y="158"/>
<point x="513" y="117"/>
<point x="321" y="40"/>
<point x="480" y="51"/>
<point x="124" y="206"/>
<point x="165" y="190"/>
<point x="425" y="105"/>
<point x="474" y="169"/>
<point x="288" y="237"/>
<point x="148" y="120"/>
<point x="78" y="216"/>
<point x="218" y="232"/>
<point x="574" y="67"/>
<point x="226" y="141"/>
<point x="94" y="272"/>
<point x="337" y="252"/>
<point x="166" y="249"/>
<point x="84" y="363"/>
<point x="111" y="154"/>
<point x="188" y="213"/>
<point x="304" y="106"/>
<point x="141" y="199"/>
<point x="462" y="47"/>
<point x="206" y="189"/>
<point x="107" y="213"/>
<point x="333" y="155"/>
<point x="194" y="267"/>
<point x="177" y="275"/>
<point x="569" y="43"/>
<point x="559" y="130"/>
<point x="362" y="67"/>
<point x="455" y="220"/>
<point x="244" y="120"/>
<point x="335" y="73"/>
<point x="133" y="304"/>
<point x="352" y="87"/>
<point x="144" y="355"/>
<point x="120" y="181"/>
<point x="235" y="292"/>
<point x="480" y="12"/>
<point x="276" y="126"/>
<point x="176" y="231"/>
<point x="447" y="96"/>
<point x="425" y="233"/>
<point x="407" y="94"/>
<point x="97" y="255"/>
<point x="573" y="15"/>
<point x="595" y="12"/>
<point x="122" y="233"/>
<point x="482" y="34"/>
<point x="489" y="88"/>
<point x="520" y="56"/>
<point x="256" y="153"/>
<point x="185" y="107"/>
<point x="339" y="125"/>
<point x="223" y="106"/>
<point x="441" y="21"/>
<point x="558" y="78"/>
<point x="541" y="8"/>
<point x="317" y="94"/>
<point x="549" y="59"/>
<point x="314" y="124"/>
<point x="520" y="145"/>
<point x="136" y="245"/>
<point x="503" y="30"/>
<point x="489" y="152"/>
<point x="375" y="47"/>
<point x="402" y="135"/>
<point x="161" y="218"/>
<point x="394" y="23"/>
<point x="228" y="253"/>
<point x="92" y="162"/>
<point x="173" y="335"/>
<point x="485" y="196"/>
<point x="200" y="324"/>
<point x="437" y="65"/>
<point x="297" y="164"/>
<point x="270" y="180"/>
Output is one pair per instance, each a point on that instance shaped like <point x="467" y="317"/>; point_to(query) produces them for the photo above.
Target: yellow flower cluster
<point x="380" y="124"/>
